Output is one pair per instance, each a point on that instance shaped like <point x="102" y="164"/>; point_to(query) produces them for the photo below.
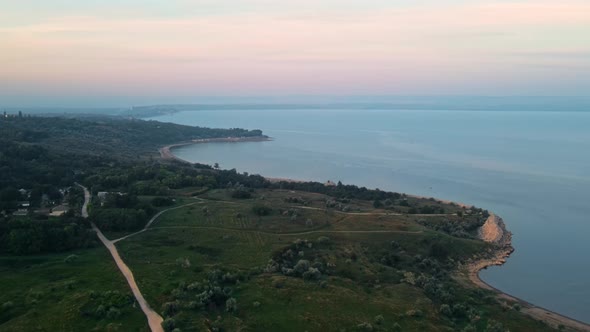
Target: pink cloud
<point x="385" y="49"/>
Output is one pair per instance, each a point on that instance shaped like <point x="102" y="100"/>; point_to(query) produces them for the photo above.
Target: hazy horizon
<point x="474" y="102"/>
<point x="65" y="52"/>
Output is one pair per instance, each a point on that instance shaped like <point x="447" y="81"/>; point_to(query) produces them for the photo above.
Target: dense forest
<point x="106" y="135"/>
<point x="42" y="157"/>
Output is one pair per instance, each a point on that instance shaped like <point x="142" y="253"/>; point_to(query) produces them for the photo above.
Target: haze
<point x="59" y="51"/>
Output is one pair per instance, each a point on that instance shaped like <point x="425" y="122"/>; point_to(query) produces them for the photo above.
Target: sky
<point x="62" y="51"/>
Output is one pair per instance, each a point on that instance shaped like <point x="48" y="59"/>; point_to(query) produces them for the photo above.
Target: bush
<point x="445" y="310"/>
<point x="324" y="240"/>
<point x="168" y="324"/>
<point x="378" y="319"/>
<point x="113" y="313"/>
<point x="231" y="305"/>
<point x="312" y="274"/>
<point x="169" y="308"/>
<point x="301" y="267"/>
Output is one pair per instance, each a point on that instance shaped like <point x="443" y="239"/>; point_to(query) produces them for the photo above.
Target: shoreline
<point x="494" y="230"/>
<point x="166" y="151"/>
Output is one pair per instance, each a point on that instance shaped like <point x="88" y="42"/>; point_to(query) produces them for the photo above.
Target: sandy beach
<point x="166" y="152"/>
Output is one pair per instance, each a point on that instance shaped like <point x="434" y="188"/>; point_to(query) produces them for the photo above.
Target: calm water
<point x="531" y="168"/>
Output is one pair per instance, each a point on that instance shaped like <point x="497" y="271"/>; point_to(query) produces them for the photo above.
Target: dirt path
<point x="283" y="234"/>
<point x="376" y="213"/>
<point x="149" y="223"/>
<point x="339" y="212"/>
<point x="154" y="319"/>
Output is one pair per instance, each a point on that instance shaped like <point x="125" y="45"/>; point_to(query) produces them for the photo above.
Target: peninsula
<point x="150" y="242"/>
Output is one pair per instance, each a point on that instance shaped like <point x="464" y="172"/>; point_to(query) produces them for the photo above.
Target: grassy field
<point x="63" y="292"/>
<point x="278" y="261"/>
<point x="196" y="258"/>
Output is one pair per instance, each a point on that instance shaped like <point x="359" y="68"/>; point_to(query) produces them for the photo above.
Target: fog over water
<point x="531" y="168"/>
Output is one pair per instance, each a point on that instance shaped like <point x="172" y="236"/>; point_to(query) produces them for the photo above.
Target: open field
<point x="371" y="268"/>
<point x="63" y="292"/>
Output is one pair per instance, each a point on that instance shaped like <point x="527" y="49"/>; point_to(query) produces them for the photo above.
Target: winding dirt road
<point x="154" y="319"/>
<point x="149" y="223"/>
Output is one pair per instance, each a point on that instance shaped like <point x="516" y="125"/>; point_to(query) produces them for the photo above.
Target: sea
<point x="530" y="167"/>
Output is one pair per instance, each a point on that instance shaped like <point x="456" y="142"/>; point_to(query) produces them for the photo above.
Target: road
<point x="154" y="319"/>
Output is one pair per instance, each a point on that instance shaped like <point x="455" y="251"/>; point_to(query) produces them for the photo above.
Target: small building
<point x="20" y="213"/>
<point x="59" y="210"/>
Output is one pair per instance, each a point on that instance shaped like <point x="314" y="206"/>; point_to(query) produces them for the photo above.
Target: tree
<point x="216" y="165"/>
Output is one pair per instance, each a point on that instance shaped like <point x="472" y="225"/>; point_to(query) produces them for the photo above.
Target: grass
<point x="49" y="294"/>
<point x="188" y="245"/>
<point x="222" y="242"/>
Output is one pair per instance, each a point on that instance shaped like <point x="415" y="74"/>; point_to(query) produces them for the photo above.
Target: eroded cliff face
<point x="494" y="231"/>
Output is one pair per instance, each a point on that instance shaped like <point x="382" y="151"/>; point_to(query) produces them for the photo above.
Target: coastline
<point x="166" y="151"/>
<point x="493" y="231"/>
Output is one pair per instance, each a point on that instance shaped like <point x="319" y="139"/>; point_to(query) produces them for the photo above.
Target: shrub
<point x="169" y="308"/>
<point x="445" y="309"/>
<point x="378" y="319"/>
<point x="312" y="274"/>
<point x="113" y="313"/>
<point x="231" y="305"/>
<point x="101" y="311"/>
<point x="168" y="324"/>
<point x="183" y="262"/>
<point x="301" y="267"/>
<point x="324" y="240"/>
